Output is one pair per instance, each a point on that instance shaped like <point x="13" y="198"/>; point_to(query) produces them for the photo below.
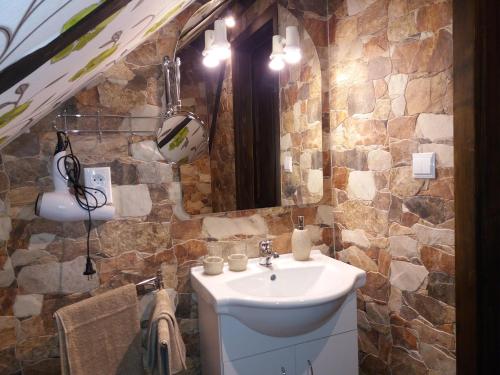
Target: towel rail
<point x="149" y="285"/>
<point x="146" y="286"/>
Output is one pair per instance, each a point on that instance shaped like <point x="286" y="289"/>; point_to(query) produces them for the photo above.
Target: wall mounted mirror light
<point x="264" y="124"/>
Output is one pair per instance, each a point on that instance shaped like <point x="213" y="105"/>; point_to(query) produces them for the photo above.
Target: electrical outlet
<point x="99" y="178"/>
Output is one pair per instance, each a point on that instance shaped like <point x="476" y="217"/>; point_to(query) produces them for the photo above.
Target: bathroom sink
<point x="287" y="299"/>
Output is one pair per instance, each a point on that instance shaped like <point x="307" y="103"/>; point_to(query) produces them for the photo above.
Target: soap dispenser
<point x="301" y="242"/>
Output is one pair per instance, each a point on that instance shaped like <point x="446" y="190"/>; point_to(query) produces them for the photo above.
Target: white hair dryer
<point x="61" y="204"/>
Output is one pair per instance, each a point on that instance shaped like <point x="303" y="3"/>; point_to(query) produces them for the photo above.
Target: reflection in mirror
<point x="265" y="126"/>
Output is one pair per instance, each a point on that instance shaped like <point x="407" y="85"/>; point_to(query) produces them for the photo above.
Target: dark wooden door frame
<point x="477" y="182"/>
<point x="241" y="112"/>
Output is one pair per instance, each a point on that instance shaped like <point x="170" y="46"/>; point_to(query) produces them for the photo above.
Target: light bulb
<point x="292" y="45"/>
<point x="276" y="63"/>
<point x="210" y="60"/>
<point x="230" y="21"/>
<point x="292" y="55"/>
<point x="222" y="53"/>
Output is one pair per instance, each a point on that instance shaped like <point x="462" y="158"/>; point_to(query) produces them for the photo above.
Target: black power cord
<point x="83" y="194"/>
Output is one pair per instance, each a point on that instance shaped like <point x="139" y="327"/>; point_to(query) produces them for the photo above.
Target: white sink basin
<point x="288" y="299"/>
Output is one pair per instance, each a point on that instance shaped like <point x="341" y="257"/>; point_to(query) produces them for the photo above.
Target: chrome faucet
<point x="266" y="253"/>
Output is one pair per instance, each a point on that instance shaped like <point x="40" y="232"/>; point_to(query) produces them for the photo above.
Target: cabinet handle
<point x="283" y="371"/>
<point x="311" y="369"/>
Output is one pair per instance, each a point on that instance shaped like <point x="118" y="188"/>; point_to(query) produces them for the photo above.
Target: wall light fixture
<point x="286" y="49"/>
<point x="217" y="47"/>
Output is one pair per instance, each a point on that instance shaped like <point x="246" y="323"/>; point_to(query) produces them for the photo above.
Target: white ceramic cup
<point x="213" y="265"/>
<point x="237" y="262"/>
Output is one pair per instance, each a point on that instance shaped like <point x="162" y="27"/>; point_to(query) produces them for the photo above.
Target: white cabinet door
<point x="335" y="355"/>
<point x="277" y="362"/>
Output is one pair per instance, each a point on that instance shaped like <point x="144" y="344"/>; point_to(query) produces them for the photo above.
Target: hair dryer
<point x="61" y="204"/>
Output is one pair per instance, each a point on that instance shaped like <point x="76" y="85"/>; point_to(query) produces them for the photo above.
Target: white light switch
<point x="288" y="164"/>
<point x="424" y="165"/>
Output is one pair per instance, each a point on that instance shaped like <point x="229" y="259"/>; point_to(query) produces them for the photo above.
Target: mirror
<point x="182" y="137"/>
<point x="265" y="133"/>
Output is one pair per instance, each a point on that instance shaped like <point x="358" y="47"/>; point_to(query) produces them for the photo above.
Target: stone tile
<point x="358" y="258"/>
<point x="132" y="200"/>
<point x="402" y="151"/>
<point x="397" y="8"/>
<point x="356" y="215"/>
<point x="48" y="366"/>
<point x="185" y="230"/>
<point x="376" y="46"/>
<point x="7" y="298"/>
<point x="9" y="328"/>
<point x="431" y="309"/>
<point x="434" y="128"/>
<point x="404" y="362"/>
<point x="118" y="98"/>
<point x="437" y="360"/>
<point x="357" y="6"/>
<point x="340" y="177"/>
<point x="223" y="228"/>
<point x="377" y="286"/>
<point x="4" y="182"/>
<point x="8" y="362"/>
<point x="380" y="87"/>
<point x="27" y="305"/>
<point x="379" y="160"/>
<point x="25" y="145"/>
<point x="35" y="349"/>
<point x="379" y="67"/>
<point x="378" y="316"/>
<point x="401" y="127"/>
<point x="401" y="28"/>
<point x="442" y="56"/>
<point x="361" y="98"/>
<point x="402" y="182"/>
<point x="432" y="209"/>
<point x="7" y="276"/>
<point x="361" y="185"/>
<point x="353" y="159"/>
<point x="118" y="236"/>
<point x="355" y="237"/>
<point x="54" y="278"/>
<point x="22" y="196"/>
<point x="418" y="96"/>
<point x="90" y="151"/>
<point x="433" y="236"/>
<point x="444" y="153"/>
<point x="25" y="171"/>
<point x="404" y="56"/>
<point x="407" y="276"/>
<point x="436" y="259"/>
<point x="443" y="188"/>
<point x="145" y="151"/>
<point x="404" y="337"/>
<point x="403" y="246"/>
<point x="143" y="55"/>
<point x="430" y="335"/>
<point x="374" y="18"/>
<point x="441" y="286"/>
<point x="372" y="365"/>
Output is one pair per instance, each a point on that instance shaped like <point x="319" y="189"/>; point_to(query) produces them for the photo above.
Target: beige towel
<point x="166" y="351"/>
<point x="101" y="335"/>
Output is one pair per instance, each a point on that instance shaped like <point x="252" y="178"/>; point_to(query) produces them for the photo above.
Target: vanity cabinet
<point x="330" y="356"/>
<point x="228" y="347"/>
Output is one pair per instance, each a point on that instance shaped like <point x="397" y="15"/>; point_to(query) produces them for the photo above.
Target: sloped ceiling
<point x="27" y="25"/>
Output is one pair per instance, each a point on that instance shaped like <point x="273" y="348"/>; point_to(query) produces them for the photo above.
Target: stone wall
<point x="300" y="118"/>
<point x="41" y="261"/>
<point x="390" y="96"/>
